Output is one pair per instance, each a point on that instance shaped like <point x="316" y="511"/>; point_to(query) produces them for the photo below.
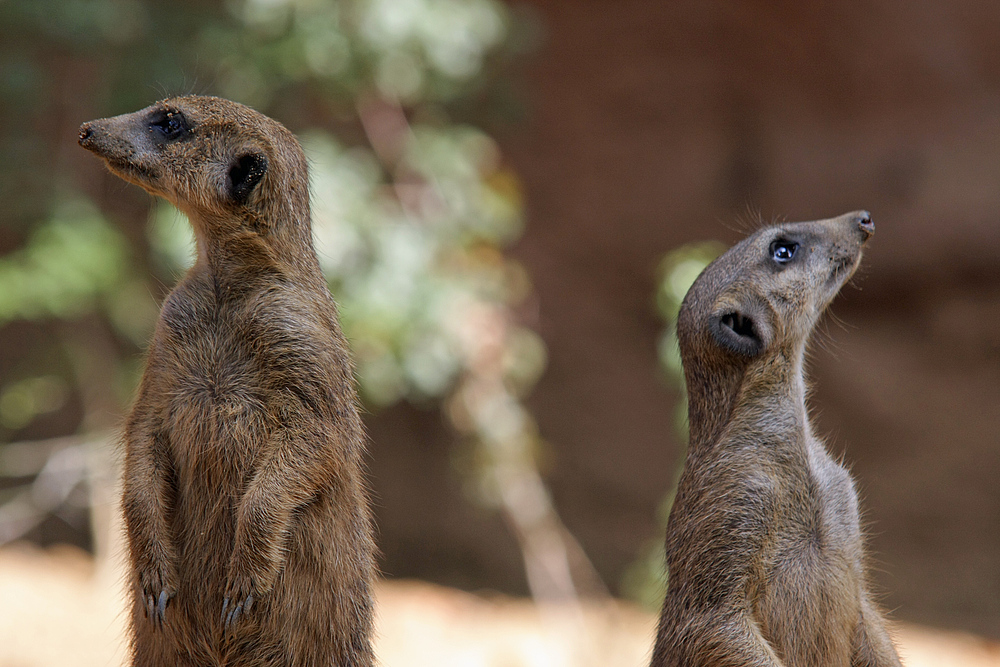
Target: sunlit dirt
<point x="60" y="607"/>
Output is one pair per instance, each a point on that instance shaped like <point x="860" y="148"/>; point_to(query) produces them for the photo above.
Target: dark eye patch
<point x="783" y="251"/>
<point x="168" y="125"/>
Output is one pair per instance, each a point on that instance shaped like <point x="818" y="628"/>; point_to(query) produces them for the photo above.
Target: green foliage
<point x="410" y="217"/>
<point x="22" y="401"/>
<point x="68" y="264"/>
<point x="413" y="51"/>
<point x="412" y="202"/>
<point x="678" y="271"/>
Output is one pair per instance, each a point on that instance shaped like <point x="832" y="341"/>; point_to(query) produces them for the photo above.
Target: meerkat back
<point x="246" y="512"/>
<point x="764" y="549"/>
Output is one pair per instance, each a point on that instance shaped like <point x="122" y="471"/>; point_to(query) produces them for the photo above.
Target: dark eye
<point x="170" y="125"/>
<point x="783" y="251"/>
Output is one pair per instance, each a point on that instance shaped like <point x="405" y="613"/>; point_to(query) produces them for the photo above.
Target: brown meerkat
<point x="764" y="549"/>
<point x="246" y="512"/>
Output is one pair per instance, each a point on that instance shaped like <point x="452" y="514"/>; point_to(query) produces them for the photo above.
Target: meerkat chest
<point x="837" y="501"/>
<point x="213" y="400"/>
<point x="815" y="569"/>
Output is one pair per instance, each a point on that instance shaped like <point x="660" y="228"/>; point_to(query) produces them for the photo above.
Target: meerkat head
<point x="220" y="162"/>
<point x="768" y="291"/>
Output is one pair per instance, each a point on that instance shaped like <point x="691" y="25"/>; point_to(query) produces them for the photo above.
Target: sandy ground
<point x="59" y="607"/>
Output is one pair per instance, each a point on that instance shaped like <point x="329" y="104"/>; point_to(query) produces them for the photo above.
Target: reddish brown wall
<point x="656" y="123"/>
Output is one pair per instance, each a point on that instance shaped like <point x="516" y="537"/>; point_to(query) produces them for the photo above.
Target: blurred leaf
<point x="412" y="207"/>
<point x="69" y="262"/>
<point x="21" y="402"/>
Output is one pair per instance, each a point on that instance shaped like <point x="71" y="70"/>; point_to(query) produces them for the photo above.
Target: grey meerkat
<point x="764" y="548"/>
<point x="246" y="512"/>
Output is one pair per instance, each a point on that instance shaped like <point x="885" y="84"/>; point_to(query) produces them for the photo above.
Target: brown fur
<point x="764" y="548"/>
<point x="248" y="527"/>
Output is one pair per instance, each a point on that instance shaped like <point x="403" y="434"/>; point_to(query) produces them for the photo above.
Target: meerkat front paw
<point x="155" y="593"/>
<point x="244" y="587"/>
<point x="241" y="593"/>
<point x="234" y="606"/>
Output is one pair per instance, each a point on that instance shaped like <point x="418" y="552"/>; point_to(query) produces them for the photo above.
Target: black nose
<point x="85" y="133"/>
<point x="865" y="223"/>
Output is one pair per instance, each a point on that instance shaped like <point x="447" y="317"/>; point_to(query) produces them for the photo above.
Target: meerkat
<point x="764" y="549"/>
<point x="246" y="512"/>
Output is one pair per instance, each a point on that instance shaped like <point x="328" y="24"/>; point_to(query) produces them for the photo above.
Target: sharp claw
<point x="161" y="607"/>
<point x="235" y="610"/>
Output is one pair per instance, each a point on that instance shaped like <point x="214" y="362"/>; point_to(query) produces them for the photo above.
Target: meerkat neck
<point x="712" y="394"/>
<point x="233" y="250"/>
<point x="760" y="390"/>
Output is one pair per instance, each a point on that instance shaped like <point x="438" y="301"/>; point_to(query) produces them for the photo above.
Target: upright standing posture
<point x="248" y="528"/>
<point x="765" y="556"/>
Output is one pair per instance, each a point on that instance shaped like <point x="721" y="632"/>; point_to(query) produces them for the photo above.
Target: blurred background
<point x="509" y="200"/>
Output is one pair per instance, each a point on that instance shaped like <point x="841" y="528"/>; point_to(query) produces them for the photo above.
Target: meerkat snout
<point x="865" y="224"/>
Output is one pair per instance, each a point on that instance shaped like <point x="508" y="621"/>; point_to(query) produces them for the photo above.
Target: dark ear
<point x="744" y="329"/>
<point x="245" y="173"/>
